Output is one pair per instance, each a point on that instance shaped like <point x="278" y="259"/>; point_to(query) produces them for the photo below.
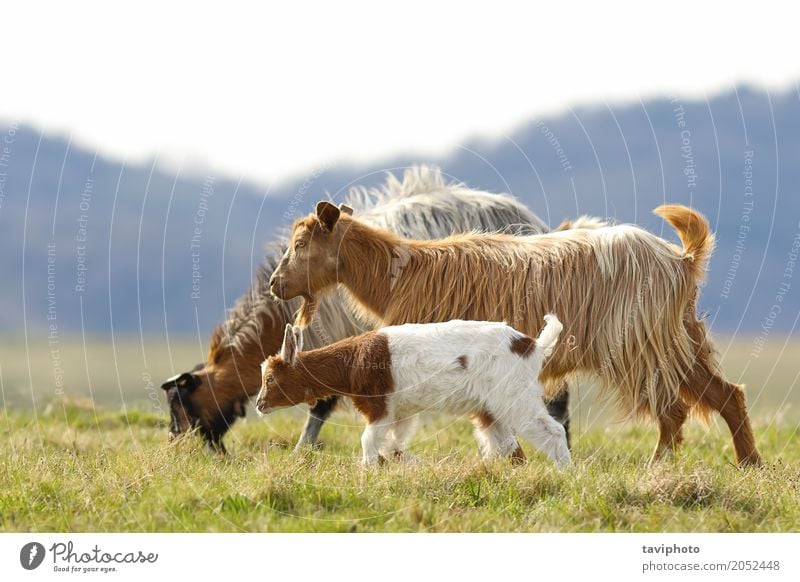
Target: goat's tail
<point x="547" y="339"/>
<point x="695" y="235"/>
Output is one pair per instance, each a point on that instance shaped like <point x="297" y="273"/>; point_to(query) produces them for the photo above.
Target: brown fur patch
<point x="462" y="361"/>
<point x="523" y="346"/>
<point x="358" y="367"/>
<point x="371" y="375"/>
<point x="483" y="419"/>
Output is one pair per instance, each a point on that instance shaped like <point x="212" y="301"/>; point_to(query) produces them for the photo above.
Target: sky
<point x="275" y="92"/>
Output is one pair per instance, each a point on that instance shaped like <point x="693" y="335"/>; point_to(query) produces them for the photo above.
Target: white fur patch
<point x="428" y="375"/>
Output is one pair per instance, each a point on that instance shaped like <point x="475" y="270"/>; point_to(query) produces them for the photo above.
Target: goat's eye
<point x="299" y="245"/>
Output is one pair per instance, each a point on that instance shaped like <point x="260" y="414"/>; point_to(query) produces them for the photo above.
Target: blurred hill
<point x="95" y="244"/>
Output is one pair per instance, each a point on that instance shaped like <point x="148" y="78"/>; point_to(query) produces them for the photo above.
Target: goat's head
<point x="194" y="405"/>
<point x="179" y="389"/>
<point x="281" y="385"/>
<point x="311" y="262"/>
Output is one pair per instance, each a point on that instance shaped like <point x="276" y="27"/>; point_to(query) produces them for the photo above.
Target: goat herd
<point x="398" y="307"/>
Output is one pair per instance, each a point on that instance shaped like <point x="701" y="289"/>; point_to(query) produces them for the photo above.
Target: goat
<point x="628" y="299"/>
<point x="483" y="369"/>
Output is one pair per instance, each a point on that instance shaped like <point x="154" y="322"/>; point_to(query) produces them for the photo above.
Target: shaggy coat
<point x="214" y="394"/>
<point x="480" y="369"/>
<point x="627" y="298"/>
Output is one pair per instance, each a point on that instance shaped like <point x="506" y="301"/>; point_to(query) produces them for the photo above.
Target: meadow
<point x="100" y="461"/>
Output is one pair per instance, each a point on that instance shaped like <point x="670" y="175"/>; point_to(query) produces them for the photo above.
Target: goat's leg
<point x="530" y="420"/>
<point x="317" y="415"/>
<point x="705" y="386"/>
<point x="496" y="439"/>
<point x="727" y="398"/>
<point x="670" y="426"/>
<point x="373" y="439"/>
<point x="486" y="443"/>
<point x="558" y="408"/>
<point x="402" y="431"/>
<point x="506" y="442"/>
<point x="547" y="435"/>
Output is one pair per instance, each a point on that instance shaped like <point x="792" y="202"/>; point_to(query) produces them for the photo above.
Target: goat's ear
<point x="186" y="381"/>
<point x="345" y="209"/>
<point x="298" y="337"/>
<point x="328" y="215"/>
<point x="289" y="347"/>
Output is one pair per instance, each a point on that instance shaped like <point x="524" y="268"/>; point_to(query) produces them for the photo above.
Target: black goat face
<point x="179" y="388"/>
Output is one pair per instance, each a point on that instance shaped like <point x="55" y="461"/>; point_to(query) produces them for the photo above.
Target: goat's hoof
<point x="754" y="461"/>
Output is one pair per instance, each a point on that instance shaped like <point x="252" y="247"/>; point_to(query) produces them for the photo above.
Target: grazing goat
<point x="478" y="368"/>
<point x="627" y="297"/>
<point x="423" y="205"/>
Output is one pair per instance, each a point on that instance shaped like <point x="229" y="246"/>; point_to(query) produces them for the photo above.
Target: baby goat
<point x="486" y="370"/>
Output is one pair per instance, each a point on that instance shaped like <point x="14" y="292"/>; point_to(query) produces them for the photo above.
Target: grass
<point x="73" y="468"/>
<point x="97" y="459"/>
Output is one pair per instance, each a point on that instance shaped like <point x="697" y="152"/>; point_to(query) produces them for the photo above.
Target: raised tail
<point x="547" y="339"/>
<point x="695" y="235"/>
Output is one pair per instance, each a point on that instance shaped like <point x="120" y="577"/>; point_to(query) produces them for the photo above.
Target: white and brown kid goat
<point x="486" y="370"/>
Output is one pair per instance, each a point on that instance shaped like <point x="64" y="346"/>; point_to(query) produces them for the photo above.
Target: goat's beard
<point x="307" y="311"/>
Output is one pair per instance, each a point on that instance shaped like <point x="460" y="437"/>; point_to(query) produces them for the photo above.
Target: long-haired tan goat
<point x="625" y="296"/>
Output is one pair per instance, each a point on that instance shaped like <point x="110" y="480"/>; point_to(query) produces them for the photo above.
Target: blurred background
<point x="149" y="153"/>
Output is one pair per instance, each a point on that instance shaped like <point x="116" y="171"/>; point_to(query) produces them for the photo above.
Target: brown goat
<point x="626" y="297"/>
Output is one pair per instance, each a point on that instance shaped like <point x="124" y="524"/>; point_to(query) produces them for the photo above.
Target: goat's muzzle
<point x="262" y="408"/>
<point x="276" y="286"/>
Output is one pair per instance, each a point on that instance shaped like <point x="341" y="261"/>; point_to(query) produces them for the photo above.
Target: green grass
<point x="77" y="469"/>
<point x="98" y="460"/>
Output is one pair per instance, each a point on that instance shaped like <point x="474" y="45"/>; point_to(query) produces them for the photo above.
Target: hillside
<point x="96" y="244"/>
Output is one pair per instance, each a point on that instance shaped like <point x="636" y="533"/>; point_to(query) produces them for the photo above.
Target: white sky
<point x="274" y="92"/>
